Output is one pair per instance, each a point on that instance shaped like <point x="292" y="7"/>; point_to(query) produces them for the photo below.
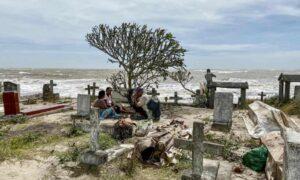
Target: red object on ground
<point x="43" y="109"/>
<point x="11" y="103"/>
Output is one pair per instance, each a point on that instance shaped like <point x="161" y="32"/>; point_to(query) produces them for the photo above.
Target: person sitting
<point x="139" y="104"/>
<point x="143" y="105"/>
<point x="104" y="110"/>
<point x="110" y="102"/>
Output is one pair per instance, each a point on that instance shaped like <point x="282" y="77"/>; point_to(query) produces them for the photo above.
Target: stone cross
<point x="88" y="89"/>
<point x="94" y="156"/>
<point x="153" y="92"/>
<point x="176" y="97"/>
<point x="94" y="121"/>
<point x="94" y="87"/>
<point x="198" y="147"/>
<point x="223" y="107"/>
<point x="262" y="95"/>
<point x="52" y="85"/>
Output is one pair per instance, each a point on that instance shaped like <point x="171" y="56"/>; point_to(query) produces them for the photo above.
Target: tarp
<point x="265" y="119"/>
<point x="267" y="123"/>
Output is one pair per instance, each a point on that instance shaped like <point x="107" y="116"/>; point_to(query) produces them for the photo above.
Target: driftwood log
<point x="123" y="129"/>
<point x="154" y="148"/>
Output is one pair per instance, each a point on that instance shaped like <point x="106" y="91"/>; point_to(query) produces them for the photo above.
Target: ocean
<point x="71" y="82"/>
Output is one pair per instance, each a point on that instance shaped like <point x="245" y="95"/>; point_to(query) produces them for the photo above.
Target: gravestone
<point x="83" y="104"/>
<point x="176" y="98"/>
<point x="9" y="86"/>
<point x="52" y="84"/>
<point x="88" y="89"/>
<point x="291" y="160"/>
<point x="223" y="107"/>
<point x="94" y="156"/>
<point x="12" y="87"/>
<point x="11" y="103"/>
<point x="297" y="93"/>
<point x="94" y="87"/>
<point x="48" y="92"/>
<point x="198" y="147"/>
<point x="153" y="93"/>
<point x="262" y="95"/>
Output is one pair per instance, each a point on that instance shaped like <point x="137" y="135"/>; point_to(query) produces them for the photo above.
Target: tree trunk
<point x="129" y="80"/>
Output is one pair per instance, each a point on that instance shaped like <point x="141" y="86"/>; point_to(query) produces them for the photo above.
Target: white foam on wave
<point x="23" y="72"/>
<point x="71" y="87"/>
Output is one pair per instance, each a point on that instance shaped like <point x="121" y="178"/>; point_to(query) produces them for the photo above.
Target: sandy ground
<point x="40" y="163"/>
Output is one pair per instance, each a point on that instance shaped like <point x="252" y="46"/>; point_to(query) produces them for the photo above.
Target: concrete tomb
<point x="12" y="87"/>
<point x="297" y="93"/>
<point x="94" y="156"/>
<point x="9" y="86"/>
<point x="285" y="81"/>
<point x="83" y="104"/>
<point x="212" y="88"/>
<point x="291" y="162"/>
<point x="223" y="111"/>
<point x="11" y="103"/>
<point x="198" y="146"/>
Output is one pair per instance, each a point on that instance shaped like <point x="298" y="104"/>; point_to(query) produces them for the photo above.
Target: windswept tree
<point x="145" y="55"/>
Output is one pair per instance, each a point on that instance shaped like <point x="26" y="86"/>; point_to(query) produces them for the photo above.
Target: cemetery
<point x="64" y="138"/>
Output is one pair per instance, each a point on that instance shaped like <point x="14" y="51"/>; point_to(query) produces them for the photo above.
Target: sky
<point x="218" y="34"/>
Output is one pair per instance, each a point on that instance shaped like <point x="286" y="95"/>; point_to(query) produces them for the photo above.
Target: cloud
<point x="225" y="47"/>
<point x="204" y="27"/>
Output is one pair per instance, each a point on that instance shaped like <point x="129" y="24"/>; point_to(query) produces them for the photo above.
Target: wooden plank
<point x="235" y="85"/>
<point x="209" y="147"/>
<point x="183" y="144"/>
<point x="290" y="77"/>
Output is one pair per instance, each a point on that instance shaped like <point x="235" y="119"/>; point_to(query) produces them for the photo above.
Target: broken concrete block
<point x="94" y="157"/>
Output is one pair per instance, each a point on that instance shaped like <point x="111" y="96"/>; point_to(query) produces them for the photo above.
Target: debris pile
<point x="157" y="147"/>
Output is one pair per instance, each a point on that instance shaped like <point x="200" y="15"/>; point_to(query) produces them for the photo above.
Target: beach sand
<point x="43" y="162"/>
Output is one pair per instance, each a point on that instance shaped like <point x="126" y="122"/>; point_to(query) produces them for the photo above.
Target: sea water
<point x="71" y="82"/>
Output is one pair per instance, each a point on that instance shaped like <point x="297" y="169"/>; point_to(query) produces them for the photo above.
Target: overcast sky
<point x="223" y="34"/>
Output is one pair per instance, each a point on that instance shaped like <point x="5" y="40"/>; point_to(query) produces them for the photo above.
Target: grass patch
<point x="19" y="119"/>
<point x="229" y="144"/>
<point x="290" y="108"/>
<point x="75" y="131"/>
<point x="184" y="162"/>
<point x="128" y="166"/>
<point x="252" y="143"/>
<point x="71" y="155"/>
<point x="106" y="141"/>
<point x="15" y="146"/>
